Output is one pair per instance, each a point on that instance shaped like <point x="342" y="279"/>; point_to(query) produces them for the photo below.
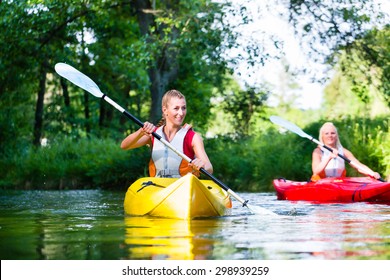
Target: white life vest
<point x="166" y="162"/>
<point x="336" y="166"/>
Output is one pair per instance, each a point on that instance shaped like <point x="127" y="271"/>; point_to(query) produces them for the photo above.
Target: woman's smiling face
<point x="329" y="135"/>
<point x="175" y="111"/>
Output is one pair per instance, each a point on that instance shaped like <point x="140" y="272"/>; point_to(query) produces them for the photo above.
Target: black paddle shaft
<point x="141" y="124"/>
<point x="347" y="160"/>
<point x="340" y="155"/>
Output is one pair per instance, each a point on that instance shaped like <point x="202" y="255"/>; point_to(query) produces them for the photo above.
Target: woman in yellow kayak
<point x="164" y="162"/>
<point x="327" y="164"/>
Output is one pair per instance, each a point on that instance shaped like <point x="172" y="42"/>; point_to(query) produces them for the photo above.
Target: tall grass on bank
<point x="86" y="163"/>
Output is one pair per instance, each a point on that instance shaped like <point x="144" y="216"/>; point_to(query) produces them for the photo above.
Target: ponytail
<point x="161" y="122"/>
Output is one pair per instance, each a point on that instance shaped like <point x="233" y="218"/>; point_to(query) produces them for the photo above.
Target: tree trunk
<point x="165" y="69"/>
<point x="65" y="92"/>
<point x="86" y="113"/>
<point x="102" y="113"/>
<point x="39" y="107"/>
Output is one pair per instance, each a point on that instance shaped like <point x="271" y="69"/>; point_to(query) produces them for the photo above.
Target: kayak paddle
<point x="86" y="83"/>
<point x="294" y="128"/>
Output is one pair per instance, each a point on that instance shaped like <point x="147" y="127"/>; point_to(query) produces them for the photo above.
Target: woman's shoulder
<point x="347" y="152"/>
<point x="189" y="130"/>
<point x="317" y="150"/>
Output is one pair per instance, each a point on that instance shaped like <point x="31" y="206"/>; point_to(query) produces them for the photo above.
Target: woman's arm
<point x="317" y="164"/>
<point x="139" y="138"/>
<point x="201" y="158"/>
<point x="360" y="167"/>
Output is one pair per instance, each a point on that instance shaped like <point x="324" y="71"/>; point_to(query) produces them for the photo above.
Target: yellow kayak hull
<point x="183" y="198"/>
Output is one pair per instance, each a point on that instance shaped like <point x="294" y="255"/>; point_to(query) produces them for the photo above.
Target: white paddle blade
<point x="289" y="126"/>
<point x="78" y="78"/>
<point x="260" y="210"/>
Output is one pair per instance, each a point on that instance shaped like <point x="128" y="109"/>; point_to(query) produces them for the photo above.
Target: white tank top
<point x="335" y="166"/>
<point x="166" y="161"/>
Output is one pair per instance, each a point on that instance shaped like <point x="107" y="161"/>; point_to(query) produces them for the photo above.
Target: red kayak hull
<point x="346" y="190"/>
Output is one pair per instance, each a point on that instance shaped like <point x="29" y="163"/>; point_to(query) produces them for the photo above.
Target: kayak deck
<point x="183" y="198"/>
<point x="344" y="189"/>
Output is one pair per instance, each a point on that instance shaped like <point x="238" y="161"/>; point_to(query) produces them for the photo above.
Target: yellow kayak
<point x="179" y="198"/>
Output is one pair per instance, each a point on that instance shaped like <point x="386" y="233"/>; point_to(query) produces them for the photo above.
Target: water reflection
<point x="357" y="231"/>
<point x="170" y="239"/>
<point x="75" y="225"/>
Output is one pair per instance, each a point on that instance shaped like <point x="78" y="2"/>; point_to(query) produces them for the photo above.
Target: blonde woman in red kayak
<point x="164" y="162"/>
<point x="329" y="164"/>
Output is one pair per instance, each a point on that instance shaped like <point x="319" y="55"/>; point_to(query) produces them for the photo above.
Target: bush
<point x="246" y="164"/>
<point x="86" y="163"/>
<point x="251" y="164"/>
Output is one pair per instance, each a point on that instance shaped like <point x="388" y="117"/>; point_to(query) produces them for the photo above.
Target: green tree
<point x="135" y="50"/>
<point x="351" y="94"/>
<point x="185" y="41"/>
<point x="33" y="39"/>
<point x="367" y="64"/>
<point x="353" y="29"/>
<point x="243" y="106"/>
<point x="328" y="25"/>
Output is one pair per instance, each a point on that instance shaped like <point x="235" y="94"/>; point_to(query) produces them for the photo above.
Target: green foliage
<point x="246" y="164"/>
<point x="251" y="163"/>
<point x="366" y="62"/>
<point x="85" y="163"/>
<point x="353" y="34"/>
<point x="107" y="41"/>
<point x="244" y="105"/>
<point x="332" y="23"/>
<point x="186" y="43"/>
<point x="381" y="149"/>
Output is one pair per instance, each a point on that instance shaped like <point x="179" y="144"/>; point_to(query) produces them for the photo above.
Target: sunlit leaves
<point x="333" y="23"/>
<point x="367" y="63"/>
<point x="244" y="106"/>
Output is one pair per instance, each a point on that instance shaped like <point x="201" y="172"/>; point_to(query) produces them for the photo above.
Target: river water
<point x="91" y="225"/>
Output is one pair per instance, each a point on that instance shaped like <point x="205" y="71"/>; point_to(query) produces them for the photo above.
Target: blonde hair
<point x="338" y="143"/>
<point x="173" y="93"/>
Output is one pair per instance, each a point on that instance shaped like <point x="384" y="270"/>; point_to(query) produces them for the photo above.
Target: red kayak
<point x="346" y="190"/>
